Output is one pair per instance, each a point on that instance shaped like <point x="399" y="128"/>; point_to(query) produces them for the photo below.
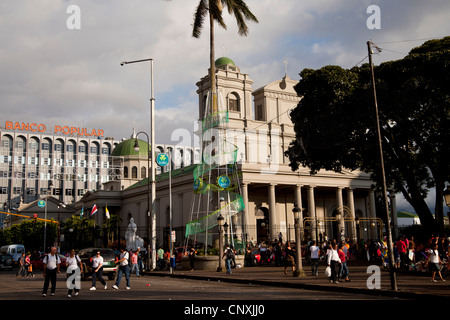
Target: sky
<point x="55" y="74"/>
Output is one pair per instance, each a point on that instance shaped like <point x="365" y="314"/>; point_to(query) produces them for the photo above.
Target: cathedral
<point x="333" y="205"/>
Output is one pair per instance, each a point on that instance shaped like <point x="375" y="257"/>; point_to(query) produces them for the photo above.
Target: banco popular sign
<point x="65" y="130"/>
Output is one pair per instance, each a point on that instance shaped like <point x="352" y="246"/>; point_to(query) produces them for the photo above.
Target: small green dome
<point x="126" y="148"/>
<point x="223" y="61"/>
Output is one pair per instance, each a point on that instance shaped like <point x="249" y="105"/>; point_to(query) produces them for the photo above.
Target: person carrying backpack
<point x="229" y="254"/>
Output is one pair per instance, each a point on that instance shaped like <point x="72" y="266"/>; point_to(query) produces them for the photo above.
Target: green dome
<point x="223" y="61"/>
<point x="126" y="148"/>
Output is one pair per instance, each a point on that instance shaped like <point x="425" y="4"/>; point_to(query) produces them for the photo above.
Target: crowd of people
<point x="409" y="255"/>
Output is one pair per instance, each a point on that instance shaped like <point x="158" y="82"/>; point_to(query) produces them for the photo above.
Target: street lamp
<point x="220" y="221"/>
<point x="136" y="148"/>
<point x="299" y="269"/>
<point x="447" y="196"/>
<point x="152" y="216"/>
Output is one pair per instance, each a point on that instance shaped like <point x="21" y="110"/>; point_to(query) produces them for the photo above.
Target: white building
<point x="334" y="204"/>
<point x="35" y="163"/>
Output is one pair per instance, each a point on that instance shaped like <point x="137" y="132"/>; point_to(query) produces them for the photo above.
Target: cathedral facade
<point x="334" y="205"/>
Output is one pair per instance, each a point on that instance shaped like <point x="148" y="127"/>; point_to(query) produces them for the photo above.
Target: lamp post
<point x="299" y="269"/>
<point x="136" y="148"/>
<point x="390" y="245"/>
<point x="220" y="221"/>
<point x="152" y="213"/>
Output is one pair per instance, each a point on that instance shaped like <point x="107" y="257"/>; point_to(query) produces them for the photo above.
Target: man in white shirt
<point x="333" y="262"/>
<point x="51" y="269"/>
<point x="123" y="269"/>
<point x="314" y="249"/>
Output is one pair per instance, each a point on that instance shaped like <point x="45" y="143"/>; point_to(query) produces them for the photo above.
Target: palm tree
<point x="214" y="7"/>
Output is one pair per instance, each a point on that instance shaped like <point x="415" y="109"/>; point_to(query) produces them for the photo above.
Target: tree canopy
<point x="334" y="123"/>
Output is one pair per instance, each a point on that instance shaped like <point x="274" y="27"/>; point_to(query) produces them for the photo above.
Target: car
<point x="109" y="261"/>
<point x="38" y="263"/>
<point x="6" y="261"/>
<point x="15" y="250"/>
<point x="179" y="253"/>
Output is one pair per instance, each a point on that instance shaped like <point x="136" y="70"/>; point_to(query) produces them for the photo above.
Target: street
<point x="162" y="288"/>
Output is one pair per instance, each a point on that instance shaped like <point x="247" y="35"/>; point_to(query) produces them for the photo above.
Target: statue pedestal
<point x="208" y="262"/>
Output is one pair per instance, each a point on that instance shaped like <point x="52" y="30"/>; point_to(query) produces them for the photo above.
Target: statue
<point x="133" y="241"/>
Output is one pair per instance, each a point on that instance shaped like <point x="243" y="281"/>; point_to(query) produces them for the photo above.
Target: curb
<point x="336" y="288"/>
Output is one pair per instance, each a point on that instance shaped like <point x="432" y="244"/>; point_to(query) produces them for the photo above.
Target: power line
<point x="412" y="40"/>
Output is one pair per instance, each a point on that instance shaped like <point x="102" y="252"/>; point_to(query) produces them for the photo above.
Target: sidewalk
<point x="410" y="286"/>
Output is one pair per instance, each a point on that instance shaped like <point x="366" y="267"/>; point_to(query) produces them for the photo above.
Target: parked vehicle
<point x="15" y="250"/>
<point x="109" y="261"/>
<point x="6" y="261"/>
<point x="38" y="263"/>
<point x="179" y="252"/>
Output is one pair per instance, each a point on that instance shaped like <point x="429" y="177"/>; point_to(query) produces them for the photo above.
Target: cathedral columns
<point x="272" y="212"/>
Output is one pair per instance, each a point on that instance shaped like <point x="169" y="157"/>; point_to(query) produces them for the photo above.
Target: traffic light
<point x="35" y="217"/>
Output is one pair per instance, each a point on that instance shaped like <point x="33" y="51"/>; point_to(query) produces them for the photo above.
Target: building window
<point x="125" y="172"/>
<point x="93" y="149"/>
<point x="233" y="102"/>
<point x="82" y="149"/>
<point x="69" y="148"/>
<point x="45" y="146"/>
<point x="143" y="172"/>
<point x="33" y="145"/>
<point x="134" y="173"/>
<point x="105" y="150"/>
<point x="259" y="113"/>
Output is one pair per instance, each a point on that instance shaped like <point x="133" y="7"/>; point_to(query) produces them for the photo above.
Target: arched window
<point x="233" y="102"/>
<point x="134" y="173"/>
<point x="125" y="172"/>
<point x="143" y="172"/>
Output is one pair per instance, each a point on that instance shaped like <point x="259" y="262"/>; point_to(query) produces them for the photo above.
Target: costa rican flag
<point x="94" y="210"/>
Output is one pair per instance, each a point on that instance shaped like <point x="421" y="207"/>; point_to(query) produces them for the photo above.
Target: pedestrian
<point x="134" y="263"/>
<point x="401" y="248"/>
<point x="343" y="270"/>
<point x="289" y="256"/>
<point x="160" y="258"/>
<point x="333" y="262"/>
<point x="434" y="261"/>
<point x="28" y="265"/>
<point x="50" y="271"/>
<point x="315" y="251"/>
<point x="21" y="269"/>
<point x="124" y="269"/>
<point x="191" y="255"/>
<point x="72" y="263"/>
<point x="229" y="254"/>
<point x="97" y="271"/>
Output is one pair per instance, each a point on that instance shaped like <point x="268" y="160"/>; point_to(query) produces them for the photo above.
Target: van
<point x="15" y="250"/>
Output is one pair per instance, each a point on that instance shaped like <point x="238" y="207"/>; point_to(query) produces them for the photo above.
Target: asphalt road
<point x="161" y="288"/>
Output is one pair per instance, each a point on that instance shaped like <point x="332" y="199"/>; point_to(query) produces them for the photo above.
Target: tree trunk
<point x="212" y="67"/>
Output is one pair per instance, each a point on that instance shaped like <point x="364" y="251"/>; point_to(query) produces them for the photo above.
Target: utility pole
<point x="392" y="273"/>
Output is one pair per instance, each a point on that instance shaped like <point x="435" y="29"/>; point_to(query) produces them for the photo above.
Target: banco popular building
<point x="334" y="204"/>
<point x="36" y="163"/>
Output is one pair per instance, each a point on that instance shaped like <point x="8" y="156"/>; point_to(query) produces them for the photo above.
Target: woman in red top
<point x="343" y="272"/>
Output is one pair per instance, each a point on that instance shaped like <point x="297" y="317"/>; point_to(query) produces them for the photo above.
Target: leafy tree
<point x="30" y="234"/>
<point x="334" y="123"/>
